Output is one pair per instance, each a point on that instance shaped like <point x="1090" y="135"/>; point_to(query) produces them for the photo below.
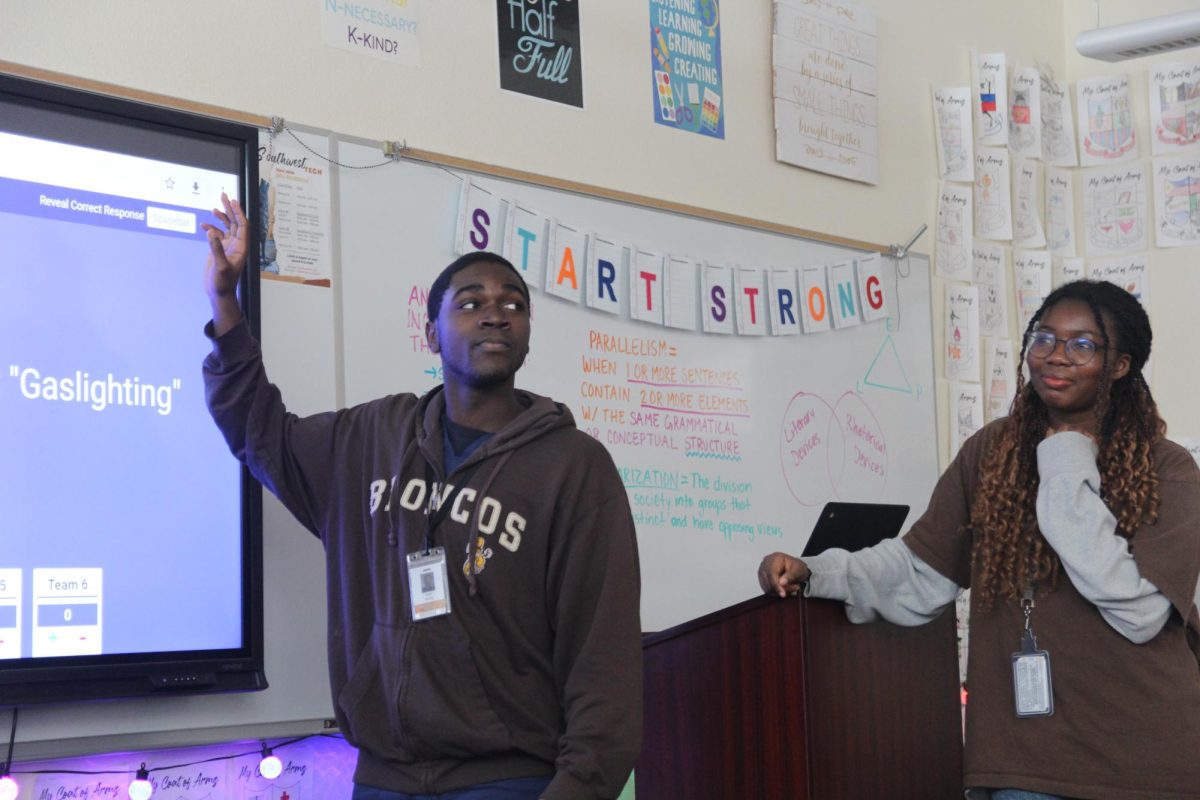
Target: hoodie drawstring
<point x="393" y="513"/>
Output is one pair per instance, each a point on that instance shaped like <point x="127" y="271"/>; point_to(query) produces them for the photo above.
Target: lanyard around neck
<point x="434" y="516"/>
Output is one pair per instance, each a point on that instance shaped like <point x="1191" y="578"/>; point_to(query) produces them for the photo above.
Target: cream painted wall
<point x="267" y="58"/>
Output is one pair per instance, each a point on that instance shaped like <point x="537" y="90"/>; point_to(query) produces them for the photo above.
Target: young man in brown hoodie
<point x="481" y="561"/>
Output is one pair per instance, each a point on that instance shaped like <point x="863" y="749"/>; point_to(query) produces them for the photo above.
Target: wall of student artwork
<point x="740" y="378"/>
<point x="1166" y="268"/>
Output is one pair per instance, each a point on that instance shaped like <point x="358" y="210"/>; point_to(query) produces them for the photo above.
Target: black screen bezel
<point x="96" y="120"/>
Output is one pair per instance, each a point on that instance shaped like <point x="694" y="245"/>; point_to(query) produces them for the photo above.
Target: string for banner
<point x="393" y="150"/>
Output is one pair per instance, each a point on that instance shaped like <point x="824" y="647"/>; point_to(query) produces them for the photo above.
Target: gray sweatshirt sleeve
<point x="1081" y="529"/>
<point x="886" y="580"/>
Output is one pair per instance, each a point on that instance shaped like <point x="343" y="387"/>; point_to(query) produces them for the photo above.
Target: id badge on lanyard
<point x="1033" y="693"/>
<point x="428" y="583"/>
<point x="428" y="577"/>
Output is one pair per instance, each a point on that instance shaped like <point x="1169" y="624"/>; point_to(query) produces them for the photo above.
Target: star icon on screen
<point x="170" y="182"/>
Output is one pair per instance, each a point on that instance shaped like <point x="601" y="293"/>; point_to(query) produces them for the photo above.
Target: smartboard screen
<point x="130" y="539"/>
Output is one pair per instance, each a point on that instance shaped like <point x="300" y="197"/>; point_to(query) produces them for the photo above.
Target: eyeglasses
<point x="1079" y="350"/>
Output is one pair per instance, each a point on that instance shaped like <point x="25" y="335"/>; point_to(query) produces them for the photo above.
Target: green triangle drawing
<point x="886" y="371"/>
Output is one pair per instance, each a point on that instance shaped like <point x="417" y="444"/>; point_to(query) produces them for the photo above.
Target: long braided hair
<point x="1009" y="553"/>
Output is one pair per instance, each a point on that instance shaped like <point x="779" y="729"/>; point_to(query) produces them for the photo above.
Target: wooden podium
<point x="786" y="699"/>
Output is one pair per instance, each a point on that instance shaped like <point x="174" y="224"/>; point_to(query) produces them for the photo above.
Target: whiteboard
<point x="728" y="445"/>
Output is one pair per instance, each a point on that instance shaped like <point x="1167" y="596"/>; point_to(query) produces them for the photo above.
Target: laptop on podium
<point x="854" y="526"/>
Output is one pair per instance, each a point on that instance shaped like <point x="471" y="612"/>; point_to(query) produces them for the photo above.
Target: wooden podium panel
<point x="787" y="699"/>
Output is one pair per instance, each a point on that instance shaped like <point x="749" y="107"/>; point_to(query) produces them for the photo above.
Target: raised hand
<point x="227" y="249"/>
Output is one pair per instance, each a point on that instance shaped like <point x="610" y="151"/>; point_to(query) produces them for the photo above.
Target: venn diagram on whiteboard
<point x="830" y="452"/>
